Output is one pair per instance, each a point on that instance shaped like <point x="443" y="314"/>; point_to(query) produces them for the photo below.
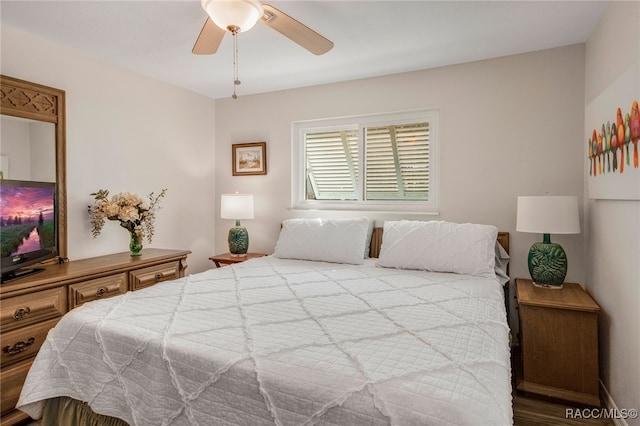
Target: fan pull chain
<point x="236" y="80"/>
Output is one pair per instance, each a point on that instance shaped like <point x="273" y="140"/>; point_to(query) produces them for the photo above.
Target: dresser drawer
<point x="99" y="288"/>
<point x="31" y="308"/>
<point x="12" y="379"/>
<point x="146" y="277"/>
<point x="24" y="342"/>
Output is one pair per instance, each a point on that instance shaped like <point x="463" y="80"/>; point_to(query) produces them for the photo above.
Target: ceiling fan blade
<point x="296" y="31"/>
<point x="209" y="39"/>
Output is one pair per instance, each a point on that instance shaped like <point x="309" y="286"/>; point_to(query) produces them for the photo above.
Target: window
<point x="379" y="162"/>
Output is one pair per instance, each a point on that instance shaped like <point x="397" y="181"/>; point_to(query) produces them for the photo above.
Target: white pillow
<point x="440" y="247"/>
<point x="324" y="240"/>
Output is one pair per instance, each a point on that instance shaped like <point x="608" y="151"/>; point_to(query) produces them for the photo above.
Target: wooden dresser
<point x="559" y="339"/>
<point x="32" y="305"/>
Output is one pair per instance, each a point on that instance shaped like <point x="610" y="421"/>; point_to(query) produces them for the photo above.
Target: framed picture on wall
<point x="249" y="158"/>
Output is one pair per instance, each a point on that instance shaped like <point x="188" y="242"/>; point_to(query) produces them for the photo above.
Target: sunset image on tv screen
<point x="27" y="221"/>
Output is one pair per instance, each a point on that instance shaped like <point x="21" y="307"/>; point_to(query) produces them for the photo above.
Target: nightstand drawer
<point x="24" y="343"/>
<point x="31" y="308"/>
<point x="146" y="277"/>
<point x="99" y="288"/>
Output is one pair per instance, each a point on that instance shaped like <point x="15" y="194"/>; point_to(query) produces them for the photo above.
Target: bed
<point x="318" y="333"/>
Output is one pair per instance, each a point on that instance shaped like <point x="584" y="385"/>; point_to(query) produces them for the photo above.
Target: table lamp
<point x="548" y="215"/>
<point x="237" y="206"/>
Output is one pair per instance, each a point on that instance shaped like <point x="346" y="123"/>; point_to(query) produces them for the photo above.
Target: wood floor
<point x="535" y="412"/>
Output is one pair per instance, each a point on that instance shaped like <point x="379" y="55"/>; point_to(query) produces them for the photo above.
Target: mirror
<point x="34" y="140"/>
<point x="28" y="149"/>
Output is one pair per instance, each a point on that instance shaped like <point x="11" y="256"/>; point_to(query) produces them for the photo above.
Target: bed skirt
<point x="68" y="411"/>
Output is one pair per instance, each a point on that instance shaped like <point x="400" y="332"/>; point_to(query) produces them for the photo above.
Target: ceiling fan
<point x="237" y="16"/>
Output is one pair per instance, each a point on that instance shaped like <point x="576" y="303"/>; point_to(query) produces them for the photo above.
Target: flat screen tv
<point x="28" y="228"/>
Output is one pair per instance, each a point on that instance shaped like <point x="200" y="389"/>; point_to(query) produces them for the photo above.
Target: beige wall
<point x="508" y="126"/>
<point x="613" y="227"/>
<point x="126" y="133"/>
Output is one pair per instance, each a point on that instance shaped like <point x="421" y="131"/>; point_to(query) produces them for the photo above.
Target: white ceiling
<point x="371" y="38"/>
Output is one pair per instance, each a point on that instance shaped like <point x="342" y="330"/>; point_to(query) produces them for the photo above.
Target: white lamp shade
<point x="236" y="206"/>
<point x="548" y="215"/>
<point x="233" y="13"/>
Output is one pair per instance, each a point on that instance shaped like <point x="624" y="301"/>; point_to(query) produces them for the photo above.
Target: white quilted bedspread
<point x="275" y="341"/>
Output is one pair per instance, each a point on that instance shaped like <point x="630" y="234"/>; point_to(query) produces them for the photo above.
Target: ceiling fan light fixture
<point x="233" y="15"/>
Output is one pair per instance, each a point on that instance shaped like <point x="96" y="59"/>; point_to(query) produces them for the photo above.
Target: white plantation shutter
<point x="375" y="162"/>
<point x="332" y="165"/>
<point x="397" y="162"/>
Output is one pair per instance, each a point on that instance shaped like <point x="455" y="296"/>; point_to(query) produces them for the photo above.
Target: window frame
<point x="298" y="162"/>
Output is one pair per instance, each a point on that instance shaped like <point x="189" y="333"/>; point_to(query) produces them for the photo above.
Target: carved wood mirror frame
<point x="24" y="99"/>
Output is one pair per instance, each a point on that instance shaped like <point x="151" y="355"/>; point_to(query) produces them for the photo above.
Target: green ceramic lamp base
<point x="238" y="240"/>
<point x="547" y="263"/>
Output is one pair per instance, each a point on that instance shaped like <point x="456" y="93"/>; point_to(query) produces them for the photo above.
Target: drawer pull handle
<point x="101" y="292"/>
<point x="19" y="347"/>
<point x="21" y="313"/>
<point x="159" y="276"/>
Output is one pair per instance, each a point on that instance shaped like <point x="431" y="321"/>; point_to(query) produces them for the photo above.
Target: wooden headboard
<point x="376" y="241"/>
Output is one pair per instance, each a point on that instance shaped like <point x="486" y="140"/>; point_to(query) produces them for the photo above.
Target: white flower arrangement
<point x="134" y="213"/>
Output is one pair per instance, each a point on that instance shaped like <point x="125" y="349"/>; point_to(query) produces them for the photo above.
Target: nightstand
<point x="559" y="340"/>
<point x="227" y="259"/>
